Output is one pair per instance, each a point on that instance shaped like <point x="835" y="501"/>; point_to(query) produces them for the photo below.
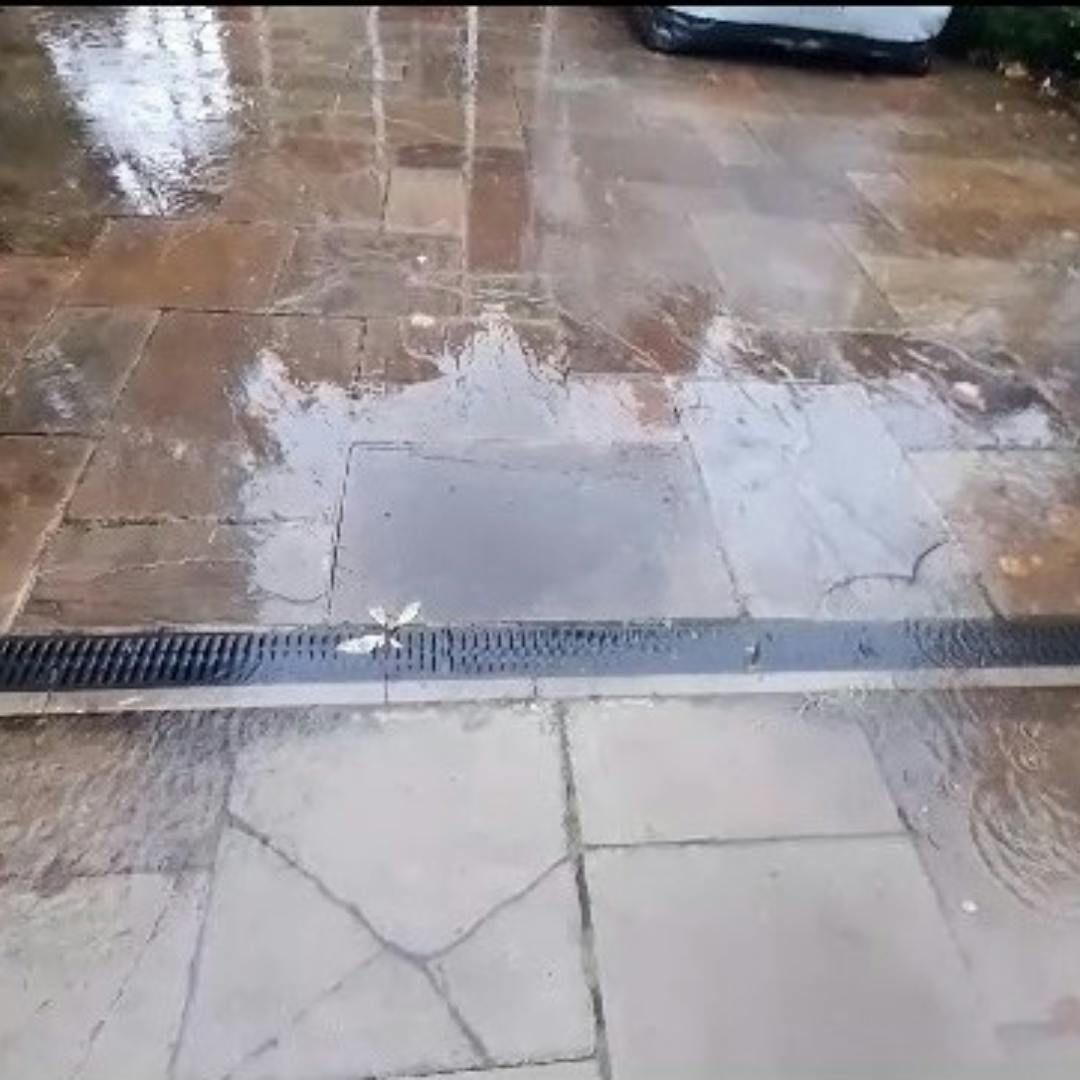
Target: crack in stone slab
<point x="576" y="848"/>
<point x="417" y="961"/>
<point x="904" y="579"/>
<point x="99" y="1027"/>
<point x="298" y="1017"/>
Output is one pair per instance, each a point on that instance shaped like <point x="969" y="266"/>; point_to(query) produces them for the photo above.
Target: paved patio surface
<point x="286" y="294"/>
<point x="782" y="886"/>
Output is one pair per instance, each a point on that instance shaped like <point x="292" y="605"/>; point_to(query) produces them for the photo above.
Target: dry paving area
<point x="772" y="886"/>
<point x="303" y="310"/>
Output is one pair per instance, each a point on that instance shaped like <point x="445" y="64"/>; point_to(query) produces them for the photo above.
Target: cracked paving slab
<point x="93" y="976"/>
<point x="810" y="495"/>
<point x="376" y="908"/>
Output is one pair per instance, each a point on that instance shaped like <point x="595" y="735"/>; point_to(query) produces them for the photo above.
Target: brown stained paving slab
<point x="75" y="370"/>
<point x="515" y="296"/>
<point x="547" y="227"/>
<point x="986" y="780"/>
<point x="186" y="572"/>
<point x="29" y="289"/>
<point x="991" y="300"/>
<point x="184" y="264"/>
<point x="36" y="479"/>
<point x="499" y="215"/>
<point x="426" y="200"/>
<point x="1017" y="516"/>
<point x="306" y="182"/>
<point x="499" y="379"/>
<point x="936" y="395"/>
<point x="790" y="274"/>
<point x="358" y="272"/>
<point x="242" y="416"/>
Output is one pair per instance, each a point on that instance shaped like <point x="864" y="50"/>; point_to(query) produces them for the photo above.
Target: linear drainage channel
<point x="534" y="650"/>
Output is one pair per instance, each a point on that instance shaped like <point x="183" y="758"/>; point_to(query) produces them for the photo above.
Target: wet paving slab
<point x="1015" y="513"/>
<point x="488" y="531"/>
<point x="804" y="535"/>
<point x="236" y="243"/>
<point x="906" y="902"/>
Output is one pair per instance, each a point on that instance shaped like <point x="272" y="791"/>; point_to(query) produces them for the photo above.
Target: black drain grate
<point x="181" y="658"/>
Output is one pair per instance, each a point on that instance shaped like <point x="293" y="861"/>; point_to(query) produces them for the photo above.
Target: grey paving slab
<point x="780" y="960"/>
<point x="99" y="794"/>
<point x="520" y="978"/>
<point x="460" y="803"/>
<point x="94" y="975"/>
<point x="988" y="780"/>
<point x="281" y="967"/>
<point x="563" y="1070"/>
<point x="498" y="531"/>
<point x="812" y="495"/>
<point x="729" y="768"/>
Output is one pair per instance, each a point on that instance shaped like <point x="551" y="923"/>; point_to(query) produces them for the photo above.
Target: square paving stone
<point x="94" y="976"/>
<point x="1016" y="514"/>
<point x="36" y="479"/>
<point x="789" y="274"/>
<point x="184" y="264"/>
<point x="789" y="959"/>
<point x="735" y="768"/>
<point x="813" y="499"/>
<point x="426" y="201"/>
<point x="74" y="371"/>
<point x="343" y="271"/>
<point x="505" y="531"/>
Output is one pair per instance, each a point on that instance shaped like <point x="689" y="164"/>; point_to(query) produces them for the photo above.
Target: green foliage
<point x="1045" y="39"/>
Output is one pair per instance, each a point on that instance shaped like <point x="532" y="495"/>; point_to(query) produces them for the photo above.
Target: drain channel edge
<point x="178" y="658"/>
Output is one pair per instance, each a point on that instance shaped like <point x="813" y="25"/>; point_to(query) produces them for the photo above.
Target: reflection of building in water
<point x="152" y="85"/>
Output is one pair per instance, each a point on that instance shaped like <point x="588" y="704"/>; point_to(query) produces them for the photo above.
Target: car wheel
<point x="915" y="59"/>
<point x="658" y="31"/>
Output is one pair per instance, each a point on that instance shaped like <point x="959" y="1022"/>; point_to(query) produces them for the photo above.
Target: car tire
<point x="914" y="60"/>
<point x="658" y="31"/>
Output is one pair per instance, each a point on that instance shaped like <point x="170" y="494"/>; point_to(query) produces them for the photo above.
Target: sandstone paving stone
<point x="520" y="978"/>
<point x="536" y="531"/>
<point x="182" y="572"/>
<point x="93" y="976"/>
<point x="811" y="494"/>
<point x="183" y="264"/>
<point x="36" y="479"/>
<point x="813" y="958"/>
<point x="424" y="818"/>
<point x="74" y="371"/>
<point x="731" y="768"/>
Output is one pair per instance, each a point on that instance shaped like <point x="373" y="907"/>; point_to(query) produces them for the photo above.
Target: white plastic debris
<point x="361" y="646"/>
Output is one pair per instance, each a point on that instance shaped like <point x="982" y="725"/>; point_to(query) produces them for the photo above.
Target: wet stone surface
<point x="235" y="242"/>
<point x="541" y="531"/>
<point x="461" y="883"/>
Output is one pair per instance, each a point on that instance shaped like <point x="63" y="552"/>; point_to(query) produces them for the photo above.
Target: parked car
<point x="899" y="37"/>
